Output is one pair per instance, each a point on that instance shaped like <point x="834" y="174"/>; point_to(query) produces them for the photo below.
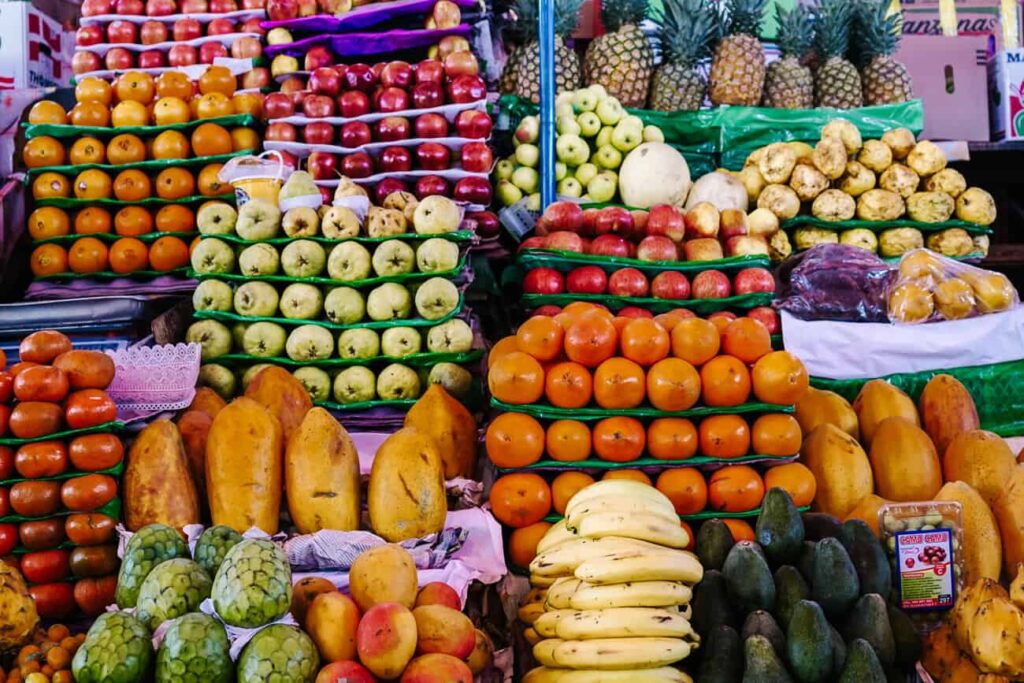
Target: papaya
<point x="981" y="459"/>
<point x="904" y="462"/>
<point x="194" y="427"/>
<point x="321" y="474"/>
<point x="983" y="549"/>
<point x="947" y="410"/>
<point x="877" y="401"/>
<point x="867" y="511"/>
<point x="840" y="467"/>
<point x="244" y="454"/>
<point x="1009" y="510"/>
<point x="278" y="391"/>
<point x="206" y="401"/>
<point x="817" y="407"/>
<point x="439" y="416"/>
<point x="406" y="496"/>
<point x="158" y="486"/>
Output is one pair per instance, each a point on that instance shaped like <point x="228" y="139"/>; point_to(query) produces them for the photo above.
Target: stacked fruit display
<point x="614" y="588"/>
<point x="48" y="654"/>
<point x="119" y="199"/>
<point x="59" y="466"/>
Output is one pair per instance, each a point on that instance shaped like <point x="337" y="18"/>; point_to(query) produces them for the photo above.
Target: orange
<point x="673" y="384"/>
<point x="735" y="488"/>
<point x="620" y="322"/>
<point x="168" y="110"/>
<point x="568" y="441"/>
<point x="89" y="114"/>
<point x="689" y="535"/>
<point x="747" y="339"/>
<point x="629" y="474"/>
<point x="243" y="139"/>
<point x="541" y="337"/>
<point x="87" y="151"/>
<point x="128" y="255"/>
<point x="685" y="487"/>
<point x="175" y="218"/>
<point x="724" y="436"/>
<point x="671" y="438"/>
<point x="168" y="253"/>
<point x="502" y="347"/>
<point x="175" y="183"/>
<point x="741" y="531"/>
<point x="218" y="79"/>
<point x="248" y="103"/>
<point x="209" y="139"/>
<point x="514" y="440"/>
<point x="93" y="184"/>
<point x="174" y="84"/>
<point x="522" y="543"/>
<point x="126" y="149"/>
<point x="92" y="89"/>
<point x="776" y="434"/>
<point x="92" y="219"/>
<point x="132" y="185"/>
<point x="520" y="499"/>
<point x="516" y="378"/>
<point x="170" y="144"/>
<point x="780" y="378"/>
<point x="49" y="185"/>
<point x="568" y="385"/>
<point x="132" y="221"/>
<point x="88" y="255"/>
<point x="43" y="151"/>
<point x="209" y="184"/>
<point x="619" y="383"/>
<point x="695" y="340"/>
<point x="619" y="439"/>
<point x="212" y="105"/>
<point x="47" y="222"/>
<point x="796" y="479"/>
<point x="129" y="113"/>
<point x="565" y="486"/>
<point x="591" y="339"/>
<point x="48" y="259"/>
<point x="644" y="341"/>
<point x="47" y="111"/>
<point x="668" y="320"/>
<point x="721" y="320"/>
<point x="135" y="86"/>
<point x="725" y="381"/>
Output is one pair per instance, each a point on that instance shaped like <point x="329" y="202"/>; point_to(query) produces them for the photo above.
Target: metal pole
<point x="547" y="102"/>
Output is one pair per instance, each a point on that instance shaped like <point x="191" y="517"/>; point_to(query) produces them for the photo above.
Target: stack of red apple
<point x="117" y="35"/>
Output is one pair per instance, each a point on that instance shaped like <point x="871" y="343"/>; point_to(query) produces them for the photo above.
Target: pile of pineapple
<point x="853" y="45"/>
<point x="844" y="177"/>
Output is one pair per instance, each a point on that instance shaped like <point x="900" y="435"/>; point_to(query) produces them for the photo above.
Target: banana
<point x="665" y="674"/>
<point x="529" y="613"/>
<point x="644" y="527"/>
<point x="544" y="652"/>
<point x="541" y="581"/>
<point x="635" y="594"/>
<point x="555" y="536"/>
<point x="560" y="593"/>
<point x="664" y="566"/>
<point x="624" y="506"/>
<point x="531" y="635"/>
<point x="534" y="595"/>
<point x="563" y="559"/>
<point x="615" y="654"/>
<point x="547" y="624"/>
<point x="622" y="488"/>
<point x="687" y="612"/>
<point x="542" y="674"/>
<point x="618" y="622"/>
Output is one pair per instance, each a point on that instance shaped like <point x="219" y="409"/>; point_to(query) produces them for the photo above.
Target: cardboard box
<point x="949" y="74"/>
<point x="1006" y="90"/>
<point x="973" y="18"/>
<point x="35" y="52"/>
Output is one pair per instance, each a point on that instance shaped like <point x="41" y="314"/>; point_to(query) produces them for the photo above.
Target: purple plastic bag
<point x="351" y="45"/>
<point x="835" y="282"/>
<point x="68" y="289"/>
<point x="361" y="17"/>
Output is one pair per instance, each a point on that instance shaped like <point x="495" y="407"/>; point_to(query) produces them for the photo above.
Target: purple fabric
<point x="353" y="45"/>
<point x="166" y="284"/>
<point x="361" y="17"/>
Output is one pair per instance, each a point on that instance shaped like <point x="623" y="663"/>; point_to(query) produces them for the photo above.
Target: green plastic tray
<point x="544" y="411"/>
<point x="76" y="203"/>
<point x="114" y="471"/>
<point x="564" y="261"/>
<point x="460" y="236"/>
<point x="148" y="165"/>
<point x="65" y="545"/>
<point x="367" y="405"/>
<point x="110" y="275"/>
<point x="111" y="509"/>
<point x="615" y="303"/>
<point x="35" y="130"/>
<point x="413" y="360"/>
<point x="879" y="226"/>
<point x="114" y="426"/>
<point x="704" y="515"/>
<point x="696" y="461"/>
<point x="111" y="237"/>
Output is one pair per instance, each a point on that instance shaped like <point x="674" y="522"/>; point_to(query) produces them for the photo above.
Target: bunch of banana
<point x="612" y="588"/>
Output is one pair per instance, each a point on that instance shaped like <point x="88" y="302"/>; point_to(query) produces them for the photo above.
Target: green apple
<point x="569" y="187"/>
<point x="436" y="298"/>
<point x="504" y="168"/>
<point x="212" y="295"/>
<point x="589" y="124"/>
<point x="437" y="255"/>
<point x="397" y="382"/>
<point x="610" y="111"/>
<point x="572" y="150"/>
<point x="390" y="301"/>
<point x="258" y="220"/>
<point x="310" y="342"/>
<point x="608" y="157"/>
<point x="451" y="336"/>
<point x="566" y="125"/>
<point x="454" y="379"/>
<point x="316" y="381"/>
<point x="301" y="301"/>
<point x="561" y="170"/>
<point x="214" y="337"/>
<point x="564" y="110"/>
<point x="526" y="179"/>
<point x="528" y="130"/>
<point x="218" y="378"/>
<point x="354" y="385"/>
<point x="303" y="258"/>
<point x="604" y="136"/>
<point x="599" y="91"/>
<point x="653" y="134"/>
<point x="212" y="255"/>
<point x="264" y="340"/>
<point x="349" y="261"/>
<point x="626" y="138"/>
<point x="398" y="342"/>
<point x="585" y="172"/>
<point x="344" y="306"/>
<point x="393" y="257"/>
<point x="508" y="194"/>
<point x="563" y="98"/>
<point x="256" y="299"/>
<point x="602" y="188"/>
<point x="527" y="155"/>
<point x="358" y="343"/>
<point x="584" y="100"/>
<point x="259" y="259"/>
<point x="634" y="120"/>
<point x="533" y="202"/>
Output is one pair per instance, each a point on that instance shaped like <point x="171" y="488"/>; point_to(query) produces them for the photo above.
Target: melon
<point x="721" y="189"/>
<point x="654" y="173"/>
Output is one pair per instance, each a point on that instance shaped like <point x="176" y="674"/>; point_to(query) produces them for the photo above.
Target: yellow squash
<point x="981" y="459"/>
<point x="321" y="469"/>
<point x="406" y="496"/>
<point x="840" y="468"/>
<point x="158" y="486"/>
<point x="877" y="401"/>
<point x="904" y="461"/>
<point x="452" y="428"/>
<point x="947" y="410"/>
<point x="983" y="550"/>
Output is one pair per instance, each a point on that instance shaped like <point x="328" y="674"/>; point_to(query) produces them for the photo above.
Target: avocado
<point x="904" y="635"/>
<point x="834" y="585"/>
<point x="838" y="650"/>
<point x="779" y="529"/>
<point x="819" y="525"/>
<point x="714" y="540"/>
<point x="711" y="606"/>
<point x="790" y="588"/>
<point x="761" y="664"/>
<point x="808" y="646"/>
<point x="868" y="558"/>
<point x="862" y="665"/>
<point x="869" y="621"/>
<point x="748" y="579"/>
<point x="760" y="623"/>
<point x="805" y="563"/>
<point x="722" y="660"/>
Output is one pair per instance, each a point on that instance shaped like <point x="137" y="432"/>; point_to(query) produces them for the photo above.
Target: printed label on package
<point x="925" y="569"/>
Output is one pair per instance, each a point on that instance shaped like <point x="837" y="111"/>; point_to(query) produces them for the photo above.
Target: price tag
<point x="925" y="569"/>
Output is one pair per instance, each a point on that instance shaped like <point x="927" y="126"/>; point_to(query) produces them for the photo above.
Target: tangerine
<point x="168" y="110"/>
<point x="170" y="144"/>
<point x="218" y="79"/>
<point x="673" y="384"/>
<point x="50" y="185"/>
<point x="502" y="347"/>
<point x="619" y="383"/>
<point x="565" y="486"/>
<point x="209" y="183"/>
<point x="628" y="474"/>
<point x="244" y="139"/>
<point x="695" y="340"/>
<point x="672" y="438"/>
<point x="619" y="439"/>
<point x="212" y="106"/>
<point x="568" y="385"/>
<point x="689" y="534"/>
<point x="93" y="184"/>
<point x="48" y="221"/>
<point x="747" y="339"/>
<point x="721" y="320"/>
<point x="48" y="259"/>
<point x="132" y="221"/>
<point x="541" y="337"/>
<point x="129" y="113"/>
<point x="47" y="111"/>
<point x="168" y="253"/>
<point x="776" y="434"/>
<point x="685" y="487"/>
<point x="209" y="139"/>
<point x="135" y="86"/>
<point x="94" y="90"/>
<point x="247" y="103"/>
<point x="514" y="440"/>
<point x="644" y="341"/>
<point x="522" y="543"/>
<point x="724" y="436"/>
<point x="43" y="151"/>
<point x="174" y="84"/>
<point x="725" y="381"/>
<point x="590" y="339"/>
<point x="128" y="255"/>
<point x="779" y="377"/>
<point x="740" y="530"/>
<point x="735" y="488"/>
<point x="132" y="185"/>
<point x="175" y="218"/>
<point x="668" y="320"/>
<point x="93" y="219"/>
<point x="520" y="499"/>
<point x="175" y="183"/>
<point x="126" y="149"/>
<point x="796" y="479"/>
<point x="91" y="114"/>
<point x="88" y="255"/>
<point x="568" y="441"/>
<point x="516" y="378"/>
<point x="87" y="150"/>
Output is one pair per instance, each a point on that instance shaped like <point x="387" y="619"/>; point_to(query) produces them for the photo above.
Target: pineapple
<point x="521" y="74"/>
<point x="789" y="84"/>
<point x="737" y="70"/>
<point x="687" y="33"/>
<point x="621" y="60"/>
<point x="836" y="82"/>
<point x="885" y="80"/>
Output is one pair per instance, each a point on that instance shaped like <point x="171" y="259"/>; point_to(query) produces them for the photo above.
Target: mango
<point x="439" y="593"/>
<point x="158" y="486"/>
<point x="284" y="396"/>
<point x="331" y="622"/>
<point x="983" y="549"/>
<point x="305" y="591"/>
<point x="386" y="573"/>
<point x="947" y="410"/>
<point x="443" y="630"/>
<point x="453" y="429"/>
<point x="867" y="511"/>
<point x="981" y="459"/>
<point x="386" y="639"/>
<point x="406" y="495"/>
<point x="437" y="668"/>
<point x="207" y="401"/>
<point x="817" y="407"/>
<point x="321" y="471"/>
<point x="841" y="469"/>
<point x="482" y="655"/>
<point x="350" y="672"/>
<point x="904" y="462"/>
<point x="1009" y="510"/>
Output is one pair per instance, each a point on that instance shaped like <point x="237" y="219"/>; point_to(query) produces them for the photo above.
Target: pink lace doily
<point x="155" y="378"/>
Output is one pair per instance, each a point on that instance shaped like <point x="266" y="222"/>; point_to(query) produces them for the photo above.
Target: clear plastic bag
<point x="834" y="282"/>
<point x="930" y="287"/>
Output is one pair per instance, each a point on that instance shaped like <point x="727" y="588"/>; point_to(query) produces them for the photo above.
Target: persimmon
<point x="591" y="339"/>
<point x="620" y="323"/>
<point x="48" y="259"/>
<point x="565" y="486"/>
<point x="94" y="90"/>
<point x="175" y="183"/>
<point x="87" y="150"/>
<point x="517" y="378"/>
<point x="93" y="184"/>
<point x="568" y="385"/>
<point x="209" y="139"/>
<point x="619" y="439"/>
<point x="89" y="114"/>
<point x="174" y="84"/>
<point x="746" y="339"/>
<point x="168" y="110"/>
<point x="685" y="487"/>
<point x="672" y="438"/>
<point x="541" y="337"/>
<point x="175" y="218"/>
<point x="43" y="151"/>
<point x="568" y="441"/>
<point x="48" y="221"/>
<point x="779" y="377"/>
<point x="776" y="434"/>
<point x="514" y="440"/>
<point x="644" y="341"/>
<point x="128" y="255"/>
<point x="132" y="185"/>
<point x="724" y="436"/>
<point x="135" y="86"/>
<point x="695" y="340"/>
<point x="129" y="114"/>
<point x="168" y="253"/>
<point x="502" y="347"/>
<point x="132" y="221"/>
<point x="126" y="149"/>
<point x="673" y="384"/>
<point x="628" y="474"/>
<point x="740" y="530"/>
<point x="522" y="543"/>
<point x="88" y="255"/>
<point x="47" y="111"/>
<point x="735" y="488"/>
<point x="520" y="499"/>
<point x="92" y="220"/>
<point x="796" y="479"/>
<point x="218" y="79"/>
<point x="619" y="383"/>
<point x="725" y="381"/>
<point x="50" y="185"/>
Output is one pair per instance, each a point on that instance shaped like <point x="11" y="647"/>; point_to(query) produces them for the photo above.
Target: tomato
<point x="93" y="595"/>
<point x="32" y="419"/>
<point x="35" y="498"/>
<point x="45" y="566"/>
<point x="93" y="561"/>
<point x="89" y="528"/>
<point x="89" y="407"/>
<point x="95" y="452"/>
<point x="6" y="386"/>
<point x="5" y="419"/>
<point x="6" y="463"/>
<point x="18" y="368"/>
<point x="8" y="538"/>
<point x="88" y="492"/>
<point x="54" y="600"/>
<point x="41" y="534"/>
<point x="86" y="369"/>
<point x="5" y="502"/>
<point x="41" y="459"/>
<point x="43" y="346"/>
<point x="41" y="383"/>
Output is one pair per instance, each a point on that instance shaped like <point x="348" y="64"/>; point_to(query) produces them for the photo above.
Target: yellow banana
<point x="622" y="488"/>
<point x="678" y="565"/>
<point x="529" y="613"/>
<point x="624" y="506"/>
<point x="541" y="581"/>
<point x="664" y="674"/>
<point x="687" y="612"/>
<point x="635" y="594"/>
<point x="555" y="536"/>
<point x="542" y="674"/>
<point x="547" y="623"/>
<point x="618" y="622"/>
<point x="531" y="635"/>
<point x="544" y="652"/>
<point x="563" y="559"/>
<point x="644" y="527"/>
<point x="616" y="654"/>
<point x="560" y="593"/>
<point x="534" y="595"/>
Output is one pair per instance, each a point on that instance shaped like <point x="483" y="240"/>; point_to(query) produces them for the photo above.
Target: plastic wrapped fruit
<point x="954" y="299"/>
<point x="952" y="242"/>
<point x="921" y="264"/>
<point x="993" y="291"/>
<point x="911" y="302"/>
<point x="898" y="241"/>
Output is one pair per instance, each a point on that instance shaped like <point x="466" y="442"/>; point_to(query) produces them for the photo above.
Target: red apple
<point x="322" y="165"/>
<point x="450" y="44"/>
<point x="628" y="282"/>
<point x="211" y="51"/>
<point x="670" y="285"/>
<point x="472" y="123"/>
<point x="194" y="7"/>
<point x="767" y="316"/>
<point x="590" y="221"/>
<point x="129" y="7"/>
<point x="88" y="35"/>
<point x="85" y="62"/>
<point x="683" y="313"/>
<point x="118" y="59"/>
<point x="278" y="105"/>
<point x="543" y="281"/>
<point x="387" y="187"/>
<point x="732" y="223"/>
<point x="186" y="29"/>
<point x="349" y="672"/>
<point x="461" y="63"/>
<point x="711" y="284"/>
<point x="534" y="242"/>
<point x="702" y="220"/>
<point x="746" y="245"/>
<point x="223" y="6"/>
<point x="151" y="59"/>
<point x="290" y="161"/>
<point x="610" y="245"/>
<point x="281" y="132"/>
<point x="657" y="248"/>
<point x="395" y="160"/>
<point x="548" y="310"/>
<point x="342" y="69"/>
<point x="318" y="57"/>
<point x="252" y="25"/>
<point x="360" y="77"/>
<point x="393" y="128"/>
<point x="634" y="312"/>
<point x="353" y="103"/>
<point x="561" y="215"/>
<point x="667" y="221"/>
<point x="307" y="8"/>
<point x="160" y="8"/>
<point x="358" y="165"/>
<point x="586" y="279"/>
<point x="639" y="223"/>
<point x="95" y="8"/>
<point x="563" y="240"/>
<point x="702" y="249"/>
<point x="751" y="280"/>
<point x="246" y="47"/>
<point x="282" y="10"/>
<point x="122" y="32"/>
<point x="475" y="190"/>
<point x="355" y="134"/>
<point x="396" y="74"/>
<point x="430" y="71"/>
<point x="431" y="184"/>
<point x="486" y="223"/>
<point x="220" y="26"/>
<point x="256" y="79"/>
<point x="432" y="156"/>
<point x="392" y="99"/>
<point x="613" y="219"/>
<point x="317" y="106"/>
<point x="476" y="157"/>
<point x="431" y="126"/>
<point x="152" y="32"/>
<point x="294" y="87"/>
<point x="427" y="95"/>
<point x="466" y="89"/>
<point x="318" y="133"/>
<point x="325" y="81"/>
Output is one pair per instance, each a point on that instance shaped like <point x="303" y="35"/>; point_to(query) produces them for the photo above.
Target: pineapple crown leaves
<point x="832" y="26"/>
<point x="689" y="28"/>
<point x="796" y="30"/>
<point x="743" y="17"/>
<point x="618" y="13"/>
<point x="878" y="29"/>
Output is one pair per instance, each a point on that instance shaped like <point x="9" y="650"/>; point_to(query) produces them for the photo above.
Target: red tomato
<point x="46" y="566"/>
<point x="43" y="346"/>
<point x="41" y="534"/>
<point x="6" y="386"/>
<point x="8" y="538"/>
<point x="93" y="595"/>
<point x="18" y="368"/>
<point x="5" y="418"/>
<point x="54" y="600"/>
<point x="89" y="407"/>
<point x="6" y="463"/>
<point x="5" y="502"/>
<point x="41" y="459"/>
<point x="42" y="383"/>
<point x="89" y="528"/>
<point x="88" y="492"/>
<point x="95" y="452"/>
